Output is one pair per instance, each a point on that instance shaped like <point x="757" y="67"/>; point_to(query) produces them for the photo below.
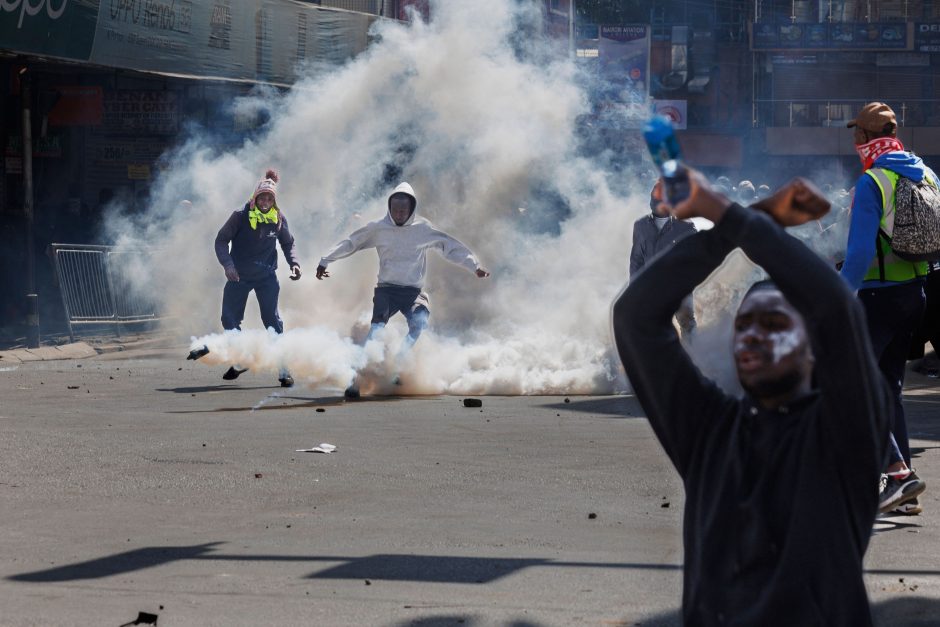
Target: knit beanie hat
<point x="267" y="184"/>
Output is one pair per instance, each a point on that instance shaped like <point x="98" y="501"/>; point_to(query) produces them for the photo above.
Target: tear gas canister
<point x="660" y="136"/>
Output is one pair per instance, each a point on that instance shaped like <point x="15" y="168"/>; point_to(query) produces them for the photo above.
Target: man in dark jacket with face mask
<point x="654" y="233"/>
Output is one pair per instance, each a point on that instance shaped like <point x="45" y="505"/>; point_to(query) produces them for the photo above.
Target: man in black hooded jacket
<point x="758" y="470"/>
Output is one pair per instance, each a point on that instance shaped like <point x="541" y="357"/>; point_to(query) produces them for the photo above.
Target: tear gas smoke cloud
<point x="480" y="128"/>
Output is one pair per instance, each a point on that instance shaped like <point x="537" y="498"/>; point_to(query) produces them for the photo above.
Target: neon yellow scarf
<point x="255" y="216"/>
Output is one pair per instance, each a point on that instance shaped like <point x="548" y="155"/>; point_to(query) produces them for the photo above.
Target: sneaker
<point x="908" y="508"/>
<point x="233" y="373"/>
<point x="352" y="391"/>
<point x="286" y="380"/>
<point x="897" y="490"/>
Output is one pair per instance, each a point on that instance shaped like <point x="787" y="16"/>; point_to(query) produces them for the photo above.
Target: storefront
<point x="113" y="86"/>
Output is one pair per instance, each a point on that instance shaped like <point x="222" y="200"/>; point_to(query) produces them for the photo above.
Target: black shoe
<point x="896" y="491"/>
<point x="233" y="373"/>
<point x="908" y="508"/>
<point x="286" y="380"/>
<point x="196" y="353"/>
<point x="352" y="391"/>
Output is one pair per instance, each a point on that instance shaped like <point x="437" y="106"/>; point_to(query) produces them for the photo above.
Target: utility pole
<point x="32" y="298"/>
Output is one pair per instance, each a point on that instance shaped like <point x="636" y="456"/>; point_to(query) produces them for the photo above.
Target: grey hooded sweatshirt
<point x="403" y="250"/>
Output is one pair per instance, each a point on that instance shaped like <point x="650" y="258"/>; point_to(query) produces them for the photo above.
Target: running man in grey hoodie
<point x="402" y="241"/>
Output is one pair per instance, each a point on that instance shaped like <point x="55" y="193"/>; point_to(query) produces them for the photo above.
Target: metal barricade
<point x="97" y="287"/>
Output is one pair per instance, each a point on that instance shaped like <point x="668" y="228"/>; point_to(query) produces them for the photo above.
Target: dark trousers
<point x="929" y="330"/>
<point x="235" y="297"/>
<point x="893" y="314"/>
<point x="390" y="299"/>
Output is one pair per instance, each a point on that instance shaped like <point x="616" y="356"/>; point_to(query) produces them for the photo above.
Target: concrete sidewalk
<point x="159" y="345"/>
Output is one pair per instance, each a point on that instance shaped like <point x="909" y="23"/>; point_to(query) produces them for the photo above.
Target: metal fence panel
<point x="131" y="304"/>
<point x="97" y="286"/>
<point x="84" y="284"/>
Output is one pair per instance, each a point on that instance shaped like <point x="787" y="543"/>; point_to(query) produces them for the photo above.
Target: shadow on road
<point x="463" y="620"/>
<point x="309" y="403"/>
<point x="901" y="611"/>
<point x="614" y="406"/>
<point x="892" y="524"/>
<point x="388" y="567"/>
<point x="214" y="388"/>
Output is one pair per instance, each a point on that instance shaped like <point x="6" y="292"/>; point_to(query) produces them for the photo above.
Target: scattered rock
<point x="472" y="402"/>
<point x="203" y="445"/>
<point x="78" y="365"/>
<point x="179" y="369"/>
<point x="258" y="475"/>
<point x="112" y="378"/>
<point x="567" y="400"/>
<point x="666" y="504"/>
<point x="368" y="583"/>
<point x="592" y="516"/>
<point x="320" y="410"/>
<point x="73" y="387"/>
<point x="288" y="526"/>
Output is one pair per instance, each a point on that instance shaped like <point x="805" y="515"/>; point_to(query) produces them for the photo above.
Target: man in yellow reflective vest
<point x="890" y="288"/>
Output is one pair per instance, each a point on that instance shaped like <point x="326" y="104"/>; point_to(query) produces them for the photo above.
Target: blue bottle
<point x="661" y="141"/>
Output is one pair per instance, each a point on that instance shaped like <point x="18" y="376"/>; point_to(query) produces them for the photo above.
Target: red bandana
<point x="869" y="152"/>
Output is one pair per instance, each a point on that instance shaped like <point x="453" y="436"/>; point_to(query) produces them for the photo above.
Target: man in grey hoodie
<point x="402" y="241"/>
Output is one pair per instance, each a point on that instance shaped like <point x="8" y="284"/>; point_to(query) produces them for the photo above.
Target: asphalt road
<point x="143" y="483"/>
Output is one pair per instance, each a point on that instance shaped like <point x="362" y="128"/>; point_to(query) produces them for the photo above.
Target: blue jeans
<point x="893" y="314"/>
<point x="235" y="297"/>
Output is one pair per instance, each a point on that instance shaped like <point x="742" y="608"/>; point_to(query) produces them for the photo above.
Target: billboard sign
<point x="57" y="28"/>
<point x="251" y="40"/>
<point x="927" y="37"/>
<point x="831" y="36"/>
<point x="675" y="110"/>
<point x="624" y="57"/>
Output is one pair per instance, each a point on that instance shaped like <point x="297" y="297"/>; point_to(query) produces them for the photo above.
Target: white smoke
<point x="474" y="122"/>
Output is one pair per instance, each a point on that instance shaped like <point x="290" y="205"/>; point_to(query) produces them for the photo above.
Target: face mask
<point x="868" y="153"/>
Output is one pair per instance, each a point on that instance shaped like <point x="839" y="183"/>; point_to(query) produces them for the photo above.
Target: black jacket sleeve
<point x="637" y="256"/>
<point x="224" y="237"/>
<point x="287" y="244"/>
<point x="679" y="401"/>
